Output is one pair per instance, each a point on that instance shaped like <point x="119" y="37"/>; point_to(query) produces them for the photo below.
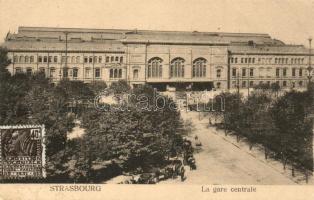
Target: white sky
<point x="289" y="20"/>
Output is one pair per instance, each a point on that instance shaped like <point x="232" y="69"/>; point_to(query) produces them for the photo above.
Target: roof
<point x="268" y="49"/>
<point x="128" y="35"/>
<point x="81" y="39"/>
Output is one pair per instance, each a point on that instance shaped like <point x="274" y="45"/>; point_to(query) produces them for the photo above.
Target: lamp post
<point x="248" y="77"/>
<point x="309" y="68"/>
<point x="65" y="69"/>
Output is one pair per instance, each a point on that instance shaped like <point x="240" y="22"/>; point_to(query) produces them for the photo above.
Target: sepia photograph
<point x="206" y="94"/>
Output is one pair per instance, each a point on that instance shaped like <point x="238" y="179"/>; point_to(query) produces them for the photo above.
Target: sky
<point x="291" y="21"/>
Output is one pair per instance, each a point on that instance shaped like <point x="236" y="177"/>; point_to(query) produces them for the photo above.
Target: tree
<point x="133" y="138"/>
<point x="120" y="87"/>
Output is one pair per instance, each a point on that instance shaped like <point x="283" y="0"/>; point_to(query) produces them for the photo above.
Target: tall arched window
<point x="154" y="68"/>
<point x="199" y="67"/>
<point x="177" y="67"/>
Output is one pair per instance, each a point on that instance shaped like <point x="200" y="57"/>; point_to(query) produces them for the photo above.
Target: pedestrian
<point x="174" y="171"/>
<point x="182" y="171"/>
<point x="196" y="138"/>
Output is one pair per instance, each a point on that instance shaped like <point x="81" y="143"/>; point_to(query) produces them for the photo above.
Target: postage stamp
<point x="22" y="152"/>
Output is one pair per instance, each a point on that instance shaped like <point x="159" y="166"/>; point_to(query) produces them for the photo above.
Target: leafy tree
<point x="133" y="138"/>
<point x="120" y="87"/>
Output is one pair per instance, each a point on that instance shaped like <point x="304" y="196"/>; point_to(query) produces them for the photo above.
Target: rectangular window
<point x="218" y="73"/>
<point x="90" y="59"/>
<point x="293" y="71"/>
<point x="52" y="72"/>
<point x="244" y="72"/>
<point x="112" y="58"/>
<point x="97" y="73"/>
<point x="50" y="59"/>
<point x="278" y="83"/>
<point x="121" y="59"/>
<point x="251" y="83"/>
<point x="55" y="59"/>
<point x="300" y="72"/>
<point x="277" y="72"/>
<point x="100" y="59"/>
<point x="75" y="73"/>
<point x="85" y="60"/>
<point x="107" y="59"/>
<point x="251" y="72"/>
<point x="40" y="59"/>
<point x="63" y="59"/>
<point x="234" y="84"/>
<point x="234" y="72"/>
<point x="253" y="60"/>
<point x="135" y="74"/>
<point x="29" y="71"/>
<point x="45" y="59"/>
<point x="284" y="72"/>
<point x="117" y="59"/>
<point x="243" y="84"/>
<point x="42" y="70"/>
<point x="87" y="73"/>
<point x="284" y="83"/>
<point x="245" y="60"/>
<point x="236" y="60"/>
<point x="18" y="70"/>
<point x="65" y="72"/>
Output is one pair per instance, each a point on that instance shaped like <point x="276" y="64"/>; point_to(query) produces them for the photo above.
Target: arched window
<point x="15" y="59"/>
<point x="154" y="68"/>
<point x="135" y="74"/>
<point x="218" y="73"/>
<point x="120" y="73"/>
<point x="111" y="73"/>
<point x="177" y="67"/>
<point x="199" y="67"/>
<point x="75" y="72"/>
<point x="26" y="59"/>
<point x="22" y="59"/>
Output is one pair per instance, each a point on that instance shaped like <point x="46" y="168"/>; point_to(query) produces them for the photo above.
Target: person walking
<point x="182" y="173"/>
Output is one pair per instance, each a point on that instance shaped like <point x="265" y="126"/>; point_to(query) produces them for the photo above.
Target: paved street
<point x="222" y="162"/>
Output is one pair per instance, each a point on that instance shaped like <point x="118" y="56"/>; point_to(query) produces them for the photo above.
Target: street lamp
<point x="309" y="68"/>
<point x="248" y="76"/>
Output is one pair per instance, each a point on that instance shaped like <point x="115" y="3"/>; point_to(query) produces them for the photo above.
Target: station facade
<point x="168" y="60"/>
